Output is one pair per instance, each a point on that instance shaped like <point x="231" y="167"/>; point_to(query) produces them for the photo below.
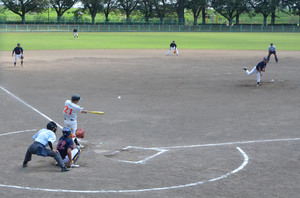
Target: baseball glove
<point x="80" y="133"/>
<point x="22" y="57"/>
<point x="174" y="52"/>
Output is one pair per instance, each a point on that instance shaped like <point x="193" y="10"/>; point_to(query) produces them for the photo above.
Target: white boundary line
<point x="160" y="151"/>
<point x="15" y="132"/>
<point x="28" y="105"/>
<point x="241" y="167"/>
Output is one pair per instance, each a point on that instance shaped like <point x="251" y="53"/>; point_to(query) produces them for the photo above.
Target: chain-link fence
<point x="147" y="28"/>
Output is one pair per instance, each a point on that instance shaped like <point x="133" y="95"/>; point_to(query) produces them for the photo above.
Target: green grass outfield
<point x="230" y="41"/>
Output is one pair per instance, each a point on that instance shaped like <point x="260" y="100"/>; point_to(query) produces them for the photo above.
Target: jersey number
<point x="61" y="145"/>
<point x="67" y="109"/>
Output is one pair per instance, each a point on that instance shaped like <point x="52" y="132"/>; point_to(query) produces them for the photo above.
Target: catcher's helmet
<point x="66" y="131"/>
<point x="52" y="125"/>
<point x="75" y="97"/>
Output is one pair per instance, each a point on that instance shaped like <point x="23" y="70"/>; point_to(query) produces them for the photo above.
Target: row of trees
<point x="230" y="9"/>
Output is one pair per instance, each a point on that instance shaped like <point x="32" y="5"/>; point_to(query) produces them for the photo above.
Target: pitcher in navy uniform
<point x="18" y="51"/>
<point x="260" y="67"/>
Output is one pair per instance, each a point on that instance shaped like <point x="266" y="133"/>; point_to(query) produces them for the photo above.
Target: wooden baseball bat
<point x="96" y="112"/>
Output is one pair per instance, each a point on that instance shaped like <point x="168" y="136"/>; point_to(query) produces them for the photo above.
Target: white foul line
<point x="24" y="131"/>
<point x="241" y="167"/>
<point x="28" y="105"/>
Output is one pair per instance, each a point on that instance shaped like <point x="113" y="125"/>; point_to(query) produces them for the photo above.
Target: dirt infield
<point x="197" y="124"/>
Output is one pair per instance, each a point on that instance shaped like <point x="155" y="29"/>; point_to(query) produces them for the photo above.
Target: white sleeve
<point x="52" y="138"/>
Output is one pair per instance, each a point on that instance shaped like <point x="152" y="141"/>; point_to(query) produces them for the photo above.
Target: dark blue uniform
<point x="261" y="65"/>
<point x="63" y="145"/>
<point x="173" y="45"/>
<point x="18" y="50"/>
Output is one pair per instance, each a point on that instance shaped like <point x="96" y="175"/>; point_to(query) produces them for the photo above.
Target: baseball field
<point x="193" y="125"/>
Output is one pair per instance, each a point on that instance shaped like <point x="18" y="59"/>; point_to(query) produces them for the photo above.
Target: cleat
<point x="245" y="68"/>
<point x="24" y="165"/>
<point x="64" y="169"/>
<point x="75" y="166"/>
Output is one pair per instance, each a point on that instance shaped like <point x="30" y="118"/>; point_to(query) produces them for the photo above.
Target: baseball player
<point x="65" y="147"/>
<point x="173" y="46"/>
<point x="260" y="67"/>
<point x="75" y="32"/>
<point x="272" y="50"/>
<point x="18" y="51"/>
<point x="42" y="139"/>
<point x="70" y="114"/>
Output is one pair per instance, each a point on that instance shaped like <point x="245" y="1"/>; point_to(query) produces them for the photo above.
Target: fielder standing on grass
<point x="75" y="31"/>
<point x="258" y="69"/>
<point x="272" y="50"/>
<point x="42" y="139"/>
<point x="173" y="46"/>
<point x="70" y="114"/>
<point x="18" y="51"/>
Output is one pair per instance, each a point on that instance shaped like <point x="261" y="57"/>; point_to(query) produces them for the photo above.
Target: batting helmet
<point x="52" y="125"/>
<point x="75" y="97"/>
<point x="66" y="131"/>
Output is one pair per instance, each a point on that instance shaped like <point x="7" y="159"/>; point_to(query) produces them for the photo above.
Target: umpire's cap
<point x="52" y="125"/>
<point x="271" y="44"/>
<point x="75" y="97"/>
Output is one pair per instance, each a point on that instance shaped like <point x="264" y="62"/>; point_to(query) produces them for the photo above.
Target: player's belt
<point x="69" y="119"/>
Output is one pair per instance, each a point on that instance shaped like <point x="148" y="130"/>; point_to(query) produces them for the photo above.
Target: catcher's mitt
<point x="22" y="57"/>
<point x="80" y="133"/>
<point x="174" y="52"/>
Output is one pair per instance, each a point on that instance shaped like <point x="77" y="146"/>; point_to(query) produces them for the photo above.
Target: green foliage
<point x="240" y="41"/>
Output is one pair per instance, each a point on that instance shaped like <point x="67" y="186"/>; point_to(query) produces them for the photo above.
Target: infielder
<point x="70" y="114"/>
<point x="173" y="46"/>
<point x="65" y="147"/>
<point x="260" y="67"/>
<point x="42" y="139"/>
<point x="18" y="51"/>
<point x="272" y="50"/>
<point x="75" y="33"/>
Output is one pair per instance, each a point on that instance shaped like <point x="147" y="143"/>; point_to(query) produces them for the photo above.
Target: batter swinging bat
<point x="96" y="112"/>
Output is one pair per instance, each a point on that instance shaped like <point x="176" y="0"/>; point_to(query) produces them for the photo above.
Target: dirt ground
<point x="167" y="103"/>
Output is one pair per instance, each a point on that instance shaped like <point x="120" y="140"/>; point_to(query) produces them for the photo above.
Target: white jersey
<point x="70" y="111"/>
<point x="272" y="49"/>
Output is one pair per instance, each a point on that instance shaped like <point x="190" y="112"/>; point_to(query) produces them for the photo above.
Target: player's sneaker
<point x="15" y="64"/>
<point x="245" y="68"/>
<point x="64" y="169"/>
<point x="24" y="165"/>
<point x="22" y="63"/>
<point x="75" y="166"/>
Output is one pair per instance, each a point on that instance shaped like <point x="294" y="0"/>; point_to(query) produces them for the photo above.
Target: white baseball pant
<point x="254" y="70"/>
<point x="17" y="56"/>
<point x="173" y="48"/>
<point x="75" y="155"/>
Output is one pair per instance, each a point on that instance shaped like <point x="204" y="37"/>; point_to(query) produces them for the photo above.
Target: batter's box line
<point x="143" y="161"/>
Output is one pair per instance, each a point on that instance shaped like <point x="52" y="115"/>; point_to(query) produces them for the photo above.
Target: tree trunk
<point x="273" y="16"/>
<point x="195" y="20"/>
<point x="93" y="20"/>
<point x="58" y="18"/>
<point x="203" y="16"/>
<point x="23" y="18"/>
<point x="237" y="19"/>
<point x="265" y="20"/>
<point x="181" y="12"/>
<point x="230" y="21"/>
<point x="147" y="19"/>
<point x="128" y="17"/>
<point x="106" y="17"/>
<point x="161" y="20"/>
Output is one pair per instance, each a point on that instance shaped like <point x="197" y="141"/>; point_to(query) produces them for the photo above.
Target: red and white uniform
<point x="70" y="114"/>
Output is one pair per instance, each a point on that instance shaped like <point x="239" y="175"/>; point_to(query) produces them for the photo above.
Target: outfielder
<point x="18" y="51"/>
<point x="260" y="67"/>
<point x="272" y="50"/>
<point x="75" y="33"/>
<point x="42" y="139"/>
<point x="65" y="147"/>
<point x="173" y="46"/>
<point x="70" y="114"/>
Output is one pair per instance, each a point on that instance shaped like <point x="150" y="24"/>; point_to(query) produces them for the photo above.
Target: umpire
<point x="42" y="139"/>
<point x="272" y="50"/>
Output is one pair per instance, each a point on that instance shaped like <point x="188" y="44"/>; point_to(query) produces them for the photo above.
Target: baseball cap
<point x="265" y="58"/>
<point x="271" y="44"/>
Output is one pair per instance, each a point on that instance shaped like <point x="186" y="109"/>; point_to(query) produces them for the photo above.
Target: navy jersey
<point x="63" y="145"/>
<point x="18" y="50"/>
<point x="75" y="30"/>
<point x="261" y="65"/>
<point x="173" y="45"/>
